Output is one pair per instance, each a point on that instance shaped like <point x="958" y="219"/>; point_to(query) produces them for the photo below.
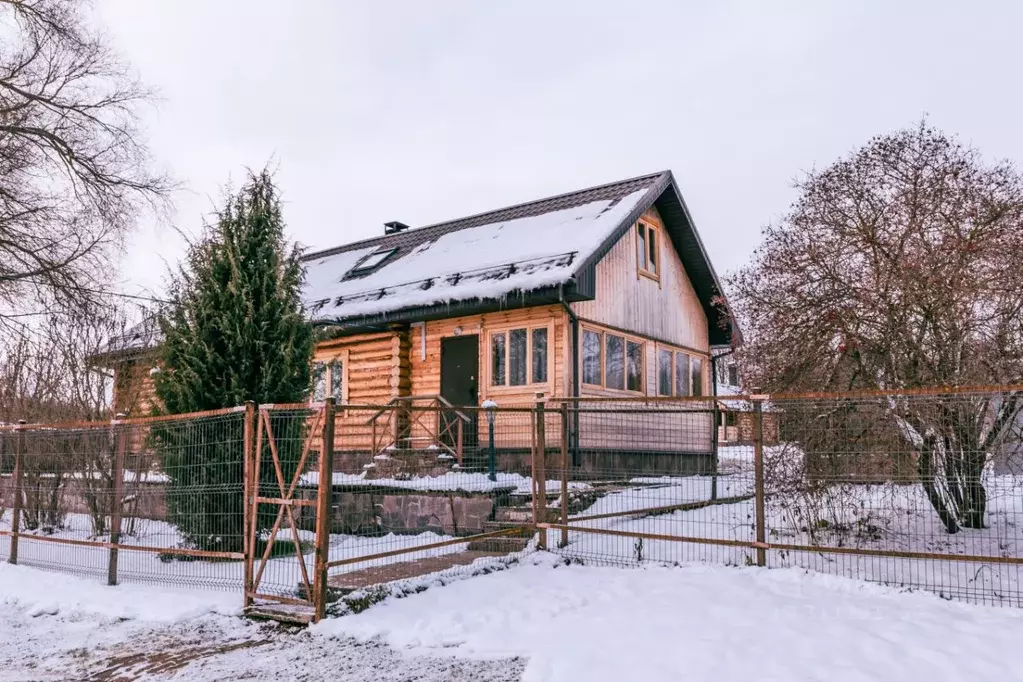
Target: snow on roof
<point x="484" y="261"/>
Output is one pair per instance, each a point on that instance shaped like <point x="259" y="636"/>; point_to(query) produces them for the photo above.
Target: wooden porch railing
<point x="394" y="424"/>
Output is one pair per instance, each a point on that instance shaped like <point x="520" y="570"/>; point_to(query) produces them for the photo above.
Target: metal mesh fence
<point x="156" y="500"/>
<point x="920" y="490"/>
<point x="298" y="503"/>
<point x="421" y="488"/>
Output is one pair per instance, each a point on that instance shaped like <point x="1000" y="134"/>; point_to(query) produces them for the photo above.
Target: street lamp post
<point x="491" y="407"/>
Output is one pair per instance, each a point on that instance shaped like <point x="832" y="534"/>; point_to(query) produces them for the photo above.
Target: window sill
<point x="650" y="275"/>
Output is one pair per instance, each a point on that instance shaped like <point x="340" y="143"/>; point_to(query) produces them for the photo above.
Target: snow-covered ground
<point x="282" y="575"/>
<point x="876" y="517"/>
<point x="59" y="627"/>
<point x="453" y="481"/>
<point x="540" y="621"/>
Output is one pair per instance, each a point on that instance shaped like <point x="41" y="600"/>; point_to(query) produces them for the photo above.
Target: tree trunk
<point x="927" y="479"/>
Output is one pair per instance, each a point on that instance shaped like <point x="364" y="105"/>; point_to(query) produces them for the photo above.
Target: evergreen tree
<point x="234" y="331"/>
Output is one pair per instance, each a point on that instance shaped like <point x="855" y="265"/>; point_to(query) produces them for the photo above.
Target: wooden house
<point x="605" y="292"/>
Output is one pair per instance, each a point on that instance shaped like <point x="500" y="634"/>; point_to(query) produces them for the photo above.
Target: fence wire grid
<point x="303" y="504"/>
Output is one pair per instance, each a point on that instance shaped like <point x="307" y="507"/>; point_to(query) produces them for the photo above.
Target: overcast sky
<point x="426" y="111"/>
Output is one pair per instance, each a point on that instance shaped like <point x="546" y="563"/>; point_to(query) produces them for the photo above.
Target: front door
<point x="459" y="382"/>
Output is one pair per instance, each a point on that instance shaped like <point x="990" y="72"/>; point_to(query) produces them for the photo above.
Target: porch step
<point x="501" y="545"/>
<point x="523" y="531"/>
<point x="514" y="514"/>
<point x="289" y="614"/>
<point x="345" y="583"/>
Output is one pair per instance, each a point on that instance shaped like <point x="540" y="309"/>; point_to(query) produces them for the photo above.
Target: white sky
<point x="425" y="111"/>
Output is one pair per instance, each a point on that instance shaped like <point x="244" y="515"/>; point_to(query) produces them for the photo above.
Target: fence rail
<point x="298" y="504"/>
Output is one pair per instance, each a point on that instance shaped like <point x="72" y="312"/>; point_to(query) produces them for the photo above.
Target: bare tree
<point x="47" y="375"/>
<point x="896" y="268"/>
<point x="74" y="169"/>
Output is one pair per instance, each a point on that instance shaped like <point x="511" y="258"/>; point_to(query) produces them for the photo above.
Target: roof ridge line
<point x="349" y="245"/>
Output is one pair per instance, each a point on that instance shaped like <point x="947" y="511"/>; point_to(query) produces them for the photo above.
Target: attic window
<point x="371" y="262"/>
<point x="648" y="253"/>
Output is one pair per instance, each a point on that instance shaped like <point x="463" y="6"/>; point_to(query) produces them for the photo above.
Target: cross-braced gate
<point x="286" y="496"/>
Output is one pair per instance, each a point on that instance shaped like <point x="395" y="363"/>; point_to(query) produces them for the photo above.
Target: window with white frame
<point x="519" y="357"/>
<point x="612" y="360"/>
<point x="328" y="376"/>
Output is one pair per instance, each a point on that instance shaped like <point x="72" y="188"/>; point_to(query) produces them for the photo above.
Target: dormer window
<point x="369" y="263"/>
<point x="647" y="253"/>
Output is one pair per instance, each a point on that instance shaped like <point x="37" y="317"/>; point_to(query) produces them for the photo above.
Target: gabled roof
<point x="534" y="252"/>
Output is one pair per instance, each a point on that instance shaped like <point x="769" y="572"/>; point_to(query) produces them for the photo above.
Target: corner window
<point x="647" y="250"/>
<point x="519" y="357"/>
<point x="664" y="372"/>
<point x="612" y="361"/>
<point x="328" y="376"/>
<point x="697" y="375"/>
<point x="681" y="374"/>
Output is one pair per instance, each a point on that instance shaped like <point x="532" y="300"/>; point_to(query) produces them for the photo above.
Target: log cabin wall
<point x="376" y="369"/>
<point x="512" y="429"/>
<point x="134" y="391"/>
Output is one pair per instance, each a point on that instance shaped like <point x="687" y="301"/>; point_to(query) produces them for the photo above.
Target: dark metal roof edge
<point x="653" y="192"/>
<point x="735" y="332"/>
<point x="341" y="248"/>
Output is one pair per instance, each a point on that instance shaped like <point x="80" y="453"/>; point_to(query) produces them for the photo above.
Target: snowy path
<point x="58" y="627"/>
<point x="537" y="622"/>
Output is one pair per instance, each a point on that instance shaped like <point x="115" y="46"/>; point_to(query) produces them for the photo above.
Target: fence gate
<point x="287" y="508"/>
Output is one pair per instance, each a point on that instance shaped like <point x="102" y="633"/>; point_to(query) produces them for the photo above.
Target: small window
<point x="591" y="358"/>
<point x="731" y="419"/>
<point x="634" y="366"/>
<point x="733" y="375"/>
<point x="519" y="357"/>
<point x="371" y="262"/>
<point x="648" y="254"/>
<point x="664" y="372"/>
<point x="497" y="359"/>
<point x="697" y="375"/>
<point x="681" y="374"/>
<point x="540" y="355"/>
<point x="614" y="361"/>
<point x="319" y="381"/>
<point x="328" y="376"/>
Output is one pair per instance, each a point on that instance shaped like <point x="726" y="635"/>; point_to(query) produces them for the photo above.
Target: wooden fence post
<point x="758" y="467"/>
<point x="19" y="455"/>
<point x="324" y="494"/>
<point x="249" y="456"/>
<point x="540" y="472"/>
<point x="119" y="442"/>
<point x="565" y="434"/>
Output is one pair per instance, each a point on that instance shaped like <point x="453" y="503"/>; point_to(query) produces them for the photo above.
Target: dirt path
<point x="213" y="648"/>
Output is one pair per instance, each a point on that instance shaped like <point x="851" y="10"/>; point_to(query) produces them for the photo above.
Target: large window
<point x="612" y="361"/>
<point x="592" y="357"/>
<point x="647" y="253"/>
<point x="329" y="380"/>
<point x="519" y="356"/>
